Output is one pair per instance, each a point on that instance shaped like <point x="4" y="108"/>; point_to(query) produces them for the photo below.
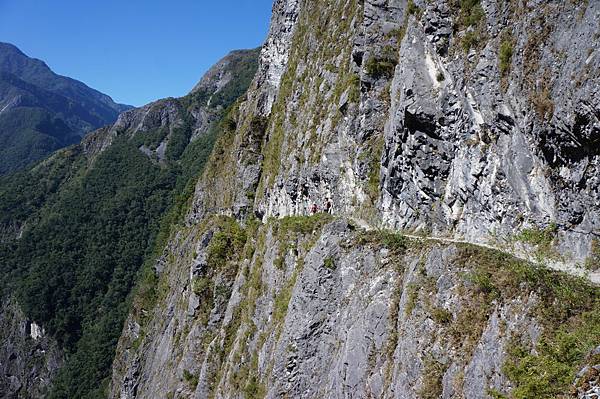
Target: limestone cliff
<point x="454" y="148"/>
<point x="29" y="358"/>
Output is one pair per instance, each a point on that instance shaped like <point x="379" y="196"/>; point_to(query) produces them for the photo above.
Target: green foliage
<point x="470" y="17"/>
<point x="550" y="369"/>
<point x="190" y="379"/>
<point x="350" y="82"/>
<point x="329" y="263"/>
<point x="568" y="310"/>
<point x="470" y="40"/>
<point x="282" y="300"/>
<point x="397" y="34"/>
<point x="482" y="280"/>
<point x="73" y="269"/>
<point x="373" y="157"/>
<point x="354" y="85"/>
<point x="152" y="139"/>
<point x="200" y="285"/>
<point x="279" y="262"/>
<point x="536" y="236"/>
<point x="190" y="166"/>
<point x="592" y="263"/>
<point x="505" y="56"/>
<point x="542" y="239"/>
<point x="395" y="242"/>
<point x="224" y="251"/>
<point x="561" y="296"/>
<point x="471" y="12"/>
<point x="93" y="227"/>
<point x="226" y="244"/>
<point x="495" y="394"/>
<point x="433" y="373"/>
<point x="28" y="134"/>
<point x="304" y="224"/>
<point x="254" y="388"/>
<point x="412" y="8"/>
<point x="377" y="67"/>
<point x="22" y="193"/>
<point x="441" y="315"/>
<point x="178" y="142"/>
<point x="412" y="297"/>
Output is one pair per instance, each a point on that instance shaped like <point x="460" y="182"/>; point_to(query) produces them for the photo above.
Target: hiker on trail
<point x="314" y="209"/>
<point x="328" y="206"/>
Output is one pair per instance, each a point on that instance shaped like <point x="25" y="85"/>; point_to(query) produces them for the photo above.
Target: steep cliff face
<point x="468" y="119"/>
<point x="29" y="358"/>
<point x="317" y="307"/>
<point x="443" y="121"/>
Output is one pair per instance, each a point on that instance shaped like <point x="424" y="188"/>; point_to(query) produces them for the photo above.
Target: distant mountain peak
<point x="42" y="111"/>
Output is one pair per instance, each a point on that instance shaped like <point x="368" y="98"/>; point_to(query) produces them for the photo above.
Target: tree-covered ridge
<point x="90" y="224"/>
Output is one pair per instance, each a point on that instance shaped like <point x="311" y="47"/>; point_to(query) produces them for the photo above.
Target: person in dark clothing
<point x="314" y="209"/>
<point x="328" y="205"/>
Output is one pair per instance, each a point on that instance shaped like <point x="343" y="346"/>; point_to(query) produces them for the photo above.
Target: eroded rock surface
<point x="29" y="358"/>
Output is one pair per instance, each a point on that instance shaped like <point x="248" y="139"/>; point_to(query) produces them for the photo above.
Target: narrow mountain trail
<point x="565" y="267"/>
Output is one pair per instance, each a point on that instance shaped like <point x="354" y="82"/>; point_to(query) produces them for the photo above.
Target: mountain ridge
<point x="11" y="55"/>
<point x="41" y="111"/>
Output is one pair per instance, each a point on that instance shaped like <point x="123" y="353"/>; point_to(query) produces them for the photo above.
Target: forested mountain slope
<point x="77" y="227"/>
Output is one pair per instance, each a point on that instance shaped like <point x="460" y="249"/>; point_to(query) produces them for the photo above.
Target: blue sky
<point x="135" y="51"/>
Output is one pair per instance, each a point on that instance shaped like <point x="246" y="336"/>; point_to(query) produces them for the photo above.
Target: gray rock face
<point x="325" y="317"/>
<point x="29" y="359"/>
<point x="251" y="118"/>
<point x="439" y="139"/>
<point x="472" y="151"/>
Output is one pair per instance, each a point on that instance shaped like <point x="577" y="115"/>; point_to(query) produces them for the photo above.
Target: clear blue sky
<point x="135" y="51"/>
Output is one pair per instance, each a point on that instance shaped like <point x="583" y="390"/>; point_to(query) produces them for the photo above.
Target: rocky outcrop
<point x="415" y="118"/>
<point x="488" y="133"/>
<point x="307" y="307"/>
<point x="29" y="358"/>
